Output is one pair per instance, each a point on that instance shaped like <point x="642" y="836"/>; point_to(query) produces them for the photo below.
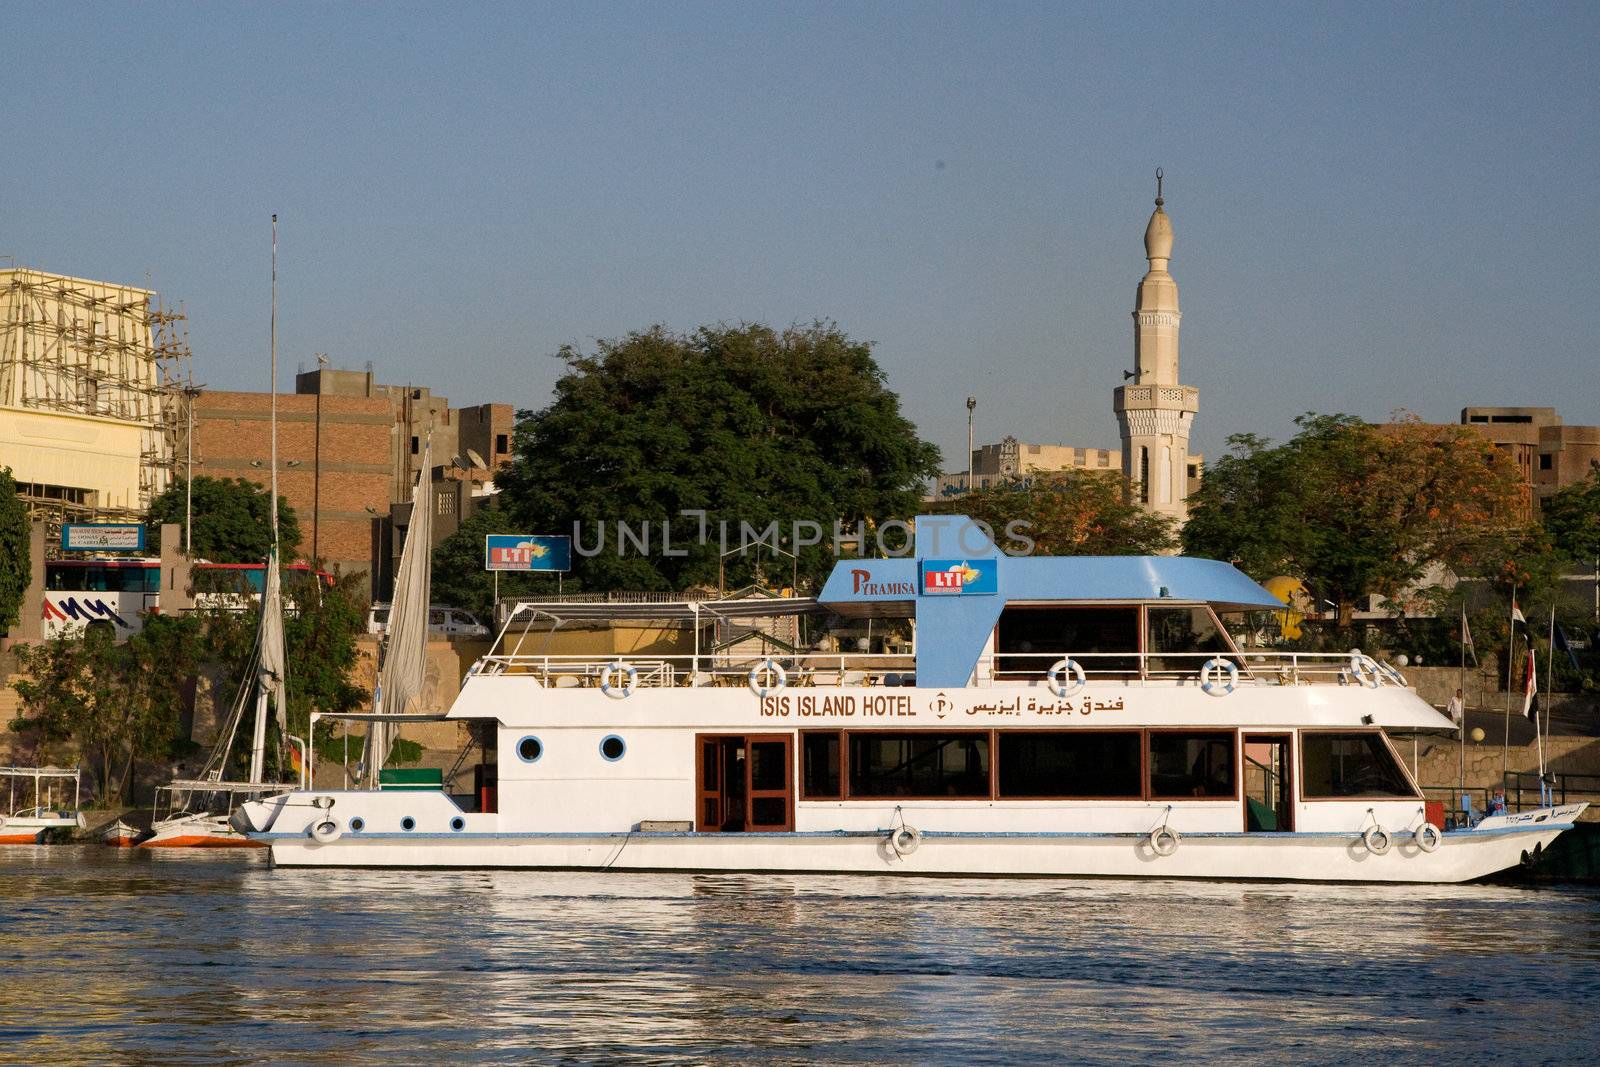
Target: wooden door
<point x="708" y="789"/>
<point x="769" y="782"/>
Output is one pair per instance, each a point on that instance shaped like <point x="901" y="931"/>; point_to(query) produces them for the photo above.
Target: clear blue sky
<point x="1375" y="208"/>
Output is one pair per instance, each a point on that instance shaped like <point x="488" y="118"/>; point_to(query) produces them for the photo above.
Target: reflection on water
<point x="215" y="957"/>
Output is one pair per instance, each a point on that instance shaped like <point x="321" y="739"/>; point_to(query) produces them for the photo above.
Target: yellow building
<point x="86" y="419"/>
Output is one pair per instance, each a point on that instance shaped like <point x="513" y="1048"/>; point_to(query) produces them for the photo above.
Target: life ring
<point x="325" y="831"/>
<point x="619" y="692"/>
<point x="1212" y="673"/>
<point x="1052" y="677"/>
<point x="1377" y="840"/>
<point x="1164" y="840"/>
<point x="905" y="840"/>
<point x="1365" y="670"/>
<point x="1428" y="837"/>
<point x="780" y="677"/>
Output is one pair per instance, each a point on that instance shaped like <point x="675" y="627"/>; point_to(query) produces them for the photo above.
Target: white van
<point x="443" y="621"/>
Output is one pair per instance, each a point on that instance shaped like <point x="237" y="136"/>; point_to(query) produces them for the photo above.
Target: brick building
<point x="334" y="455"/>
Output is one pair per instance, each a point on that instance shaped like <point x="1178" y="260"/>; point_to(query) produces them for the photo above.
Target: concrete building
<point x="1550" y="454"/>
<point x="88" y="401"/>
<point x="1156" y="412"/>
<point x="1010" y="458"/>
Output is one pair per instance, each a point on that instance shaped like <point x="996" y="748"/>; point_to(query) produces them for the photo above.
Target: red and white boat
<point x="120" y="835"/>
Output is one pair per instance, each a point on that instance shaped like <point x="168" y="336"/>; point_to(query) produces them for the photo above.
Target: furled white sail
<point x="405" y="648"/>
<point x="271" y="663"/>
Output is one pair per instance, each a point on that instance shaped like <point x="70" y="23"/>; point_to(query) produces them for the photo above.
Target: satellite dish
<point x="477" y="460"/>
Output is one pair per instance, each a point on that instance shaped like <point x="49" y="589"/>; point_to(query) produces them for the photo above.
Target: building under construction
<point x="92" y="399"/>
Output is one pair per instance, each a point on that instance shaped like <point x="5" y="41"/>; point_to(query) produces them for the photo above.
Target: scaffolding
<point x="98" y="349"/>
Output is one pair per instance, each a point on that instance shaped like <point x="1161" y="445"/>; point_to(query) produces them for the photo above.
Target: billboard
<point x="960" y="577"/>
<point x="528" y="552"/>
<point x="102" y="537"/>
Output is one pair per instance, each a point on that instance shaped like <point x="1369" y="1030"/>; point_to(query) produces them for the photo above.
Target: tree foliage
<point x="459" y="577"/>
<point x="116" y="704"/>
<point x="1067" y="513"/>
<point x="1354" y="509"/>
<point x="1571" y="517"/>
<point x="15" y="558"/>
<point x="748" y="424"/>
<point x="231" y="519"/>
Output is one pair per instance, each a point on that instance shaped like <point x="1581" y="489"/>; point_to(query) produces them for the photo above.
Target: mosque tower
<point x="1155" y="412"/>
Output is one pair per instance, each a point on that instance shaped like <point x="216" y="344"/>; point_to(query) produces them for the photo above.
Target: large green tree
<point x="115" y="704"/>
<point x="231" y="519"/>
<point x="748" y="424"/>
<point x="1353" y="508"/>
<point x="459" y="577"/>
<point x="15" y="559"/>
<point x="1572" y="519"/>
<point x="1066" y="513"/>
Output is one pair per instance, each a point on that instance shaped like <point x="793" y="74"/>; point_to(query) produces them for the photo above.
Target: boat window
<point x="919" y="765"/>
<point x="1191" y="763"/>
<point x="820" y="758"/>
<point x="1076" y="763"/>
<point x="612" y="748"/>
<point x="1357" y="764"/>
<point x="1030" y="639"/>
<point x="529" y="749"/>
<point x="1188" y="636"/>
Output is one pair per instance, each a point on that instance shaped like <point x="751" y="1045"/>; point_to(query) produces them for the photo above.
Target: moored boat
<point x="1055" y="716"/>
<point x="120" y="834"/>
<point x="48" y="816"/>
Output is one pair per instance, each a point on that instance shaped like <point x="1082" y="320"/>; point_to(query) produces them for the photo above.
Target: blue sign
<point x="960" y="577"/>
<point x="102" y="537"/>
<point x="527" y="552"/>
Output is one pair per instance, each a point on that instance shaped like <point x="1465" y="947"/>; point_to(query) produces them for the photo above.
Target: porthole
<point x="612" y="747"/>
<point x="529" y="749"/>
<point x="357" y="824"/>
<point x="408" y="823"/>
<point x="458" y="824"/>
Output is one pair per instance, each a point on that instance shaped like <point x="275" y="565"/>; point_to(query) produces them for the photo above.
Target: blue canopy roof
<point x="957" y="593"/>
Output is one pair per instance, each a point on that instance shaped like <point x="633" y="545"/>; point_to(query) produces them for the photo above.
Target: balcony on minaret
<point x="1167" y="398"/>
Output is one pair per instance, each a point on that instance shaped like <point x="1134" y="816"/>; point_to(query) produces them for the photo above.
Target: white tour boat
<point x="1102" y="716"/>
<point x="31" y="825"/>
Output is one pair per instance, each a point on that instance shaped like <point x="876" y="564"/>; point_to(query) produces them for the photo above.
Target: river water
<point x="207" y="957"/>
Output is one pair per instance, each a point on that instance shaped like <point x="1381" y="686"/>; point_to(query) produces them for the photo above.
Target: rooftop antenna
<point x="1159" y="176"/>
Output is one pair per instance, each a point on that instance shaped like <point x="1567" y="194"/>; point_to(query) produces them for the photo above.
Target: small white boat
<point x="197" y="814"/>
<point x="1084" y="716"/>
<point x="32" y="825"/>
<point x="120" y="835"/>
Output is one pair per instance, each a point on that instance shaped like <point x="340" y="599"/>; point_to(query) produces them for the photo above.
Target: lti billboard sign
<point x="528" y="552"/>
<point x="102" y="537"/>
<point x="960" y="577"/>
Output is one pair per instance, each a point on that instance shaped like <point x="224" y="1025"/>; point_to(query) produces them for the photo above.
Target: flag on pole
<point x="1530" y="688"/>
<point x="1563" y="645"/>
<point x="1516" y="613"/>
<point x="1466" y="637"/>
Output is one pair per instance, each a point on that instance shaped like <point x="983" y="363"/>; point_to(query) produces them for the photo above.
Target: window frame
<point x="1144" y="763"/>
<point x="999" y="674"/>
<point x="1149" y="786"/>
<point x="971" y="732"/>
<point x="1300" y="754"/>
<point x="843" y="771"/>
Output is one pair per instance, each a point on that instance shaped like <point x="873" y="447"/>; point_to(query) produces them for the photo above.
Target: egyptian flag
<point x="1530" y="689"/>
<point x="1517" y="618"/>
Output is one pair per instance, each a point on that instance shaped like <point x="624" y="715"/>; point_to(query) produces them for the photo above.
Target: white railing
<point x="1213" y="671"/>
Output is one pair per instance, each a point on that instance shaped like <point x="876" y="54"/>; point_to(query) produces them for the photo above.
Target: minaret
<point x="1155" y="412"/>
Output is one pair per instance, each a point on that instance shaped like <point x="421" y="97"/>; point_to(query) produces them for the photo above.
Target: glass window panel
<point x="1191" y="764"/>
<point x="1069" y="764"/>
<point x="1030" y="640"/>
<point x="919" y="765"/>
<point x="769" y="811"/>
<point x="1350" y="765"/>
<point x="768" y="767"/>
<point x="1191" y="633"/>
<point x="821" y="759"/>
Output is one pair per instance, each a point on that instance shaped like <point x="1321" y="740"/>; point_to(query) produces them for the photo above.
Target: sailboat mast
<point x="258" y="743"/>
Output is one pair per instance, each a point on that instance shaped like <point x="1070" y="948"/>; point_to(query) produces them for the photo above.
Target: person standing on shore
<point x="1457" y="710"/>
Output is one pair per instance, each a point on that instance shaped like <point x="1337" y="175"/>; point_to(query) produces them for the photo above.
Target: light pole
<point x="972" y="402"/>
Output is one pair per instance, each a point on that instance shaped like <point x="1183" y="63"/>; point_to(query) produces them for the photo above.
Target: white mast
<point x="269" y="633"/>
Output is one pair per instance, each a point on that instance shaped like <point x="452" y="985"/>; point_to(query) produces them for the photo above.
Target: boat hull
<point x="1461" y="857"/>
<point x="202" y="831"/>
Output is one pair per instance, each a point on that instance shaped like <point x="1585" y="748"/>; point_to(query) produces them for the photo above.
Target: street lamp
<point x="972" y="402"/>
